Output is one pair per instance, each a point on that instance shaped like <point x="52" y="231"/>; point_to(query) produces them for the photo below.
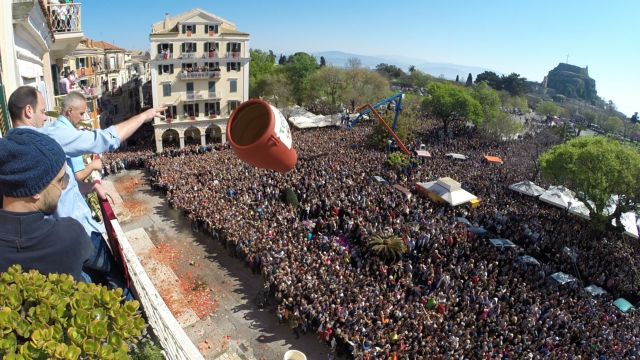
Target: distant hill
<point x="449" y="71"/>
<point x="573" y="82"/>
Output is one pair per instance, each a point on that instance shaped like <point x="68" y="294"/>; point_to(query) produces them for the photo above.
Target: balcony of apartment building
<point x="66" y="22"/>
<point x="164" y="55"/>
<point x="199" y="73"/>
<point x="189" y="55"/>
<point x="191" y="97"/>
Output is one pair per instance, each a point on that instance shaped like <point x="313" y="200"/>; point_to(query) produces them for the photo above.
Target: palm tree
<point x="389" y="248"/>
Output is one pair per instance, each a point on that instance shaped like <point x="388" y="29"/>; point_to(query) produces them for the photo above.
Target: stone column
<point x="203" y="140"/>
<point x="181" y="141"/>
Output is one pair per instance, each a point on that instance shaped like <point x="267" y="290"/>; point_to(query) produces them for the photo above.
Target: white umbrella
<point x="595" y="290"/>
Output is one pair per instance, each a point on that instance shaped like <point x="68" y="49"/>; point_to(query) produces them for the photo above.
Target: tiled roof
<point x="169" y="25"/>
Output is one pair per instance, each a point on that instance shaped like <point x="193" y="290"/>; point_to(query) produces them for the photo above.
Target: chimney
<point x="164" y="23"/>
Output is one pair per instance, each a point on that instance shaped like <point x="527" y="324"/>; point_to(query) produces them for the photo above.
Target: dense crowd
<point x="453" y="295"/>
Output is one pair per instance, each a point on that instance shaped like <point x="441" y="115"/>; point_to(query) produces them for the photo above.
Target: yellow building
<point x="200" y="69"/>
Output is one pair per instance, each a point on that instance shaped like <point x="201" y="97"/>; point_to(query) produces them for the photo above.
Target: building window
<point x="165" y="69"/>
<point x="233" y="85"/>
<point x="188" y="29"/>
<point x="171" y="112"/>
<point x="212" y="87"/>
<point x="191" y="110"/>
<point x="212" y="66"/>
<point x="166" y="89"/>
<point x="235" y="66"/>
<point x="212" y="108"/>
<point x="189" y="47"/>
<point x="211" y="29"/>
<point x="232" y="105"/>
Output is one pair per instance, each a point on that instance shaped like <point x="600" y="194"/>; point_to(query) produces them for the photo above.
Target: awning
<point x="527" y="188"/>
<point x="423" y="153"/>
<point x="623" y="305"/>
<point x="493" y="159"/>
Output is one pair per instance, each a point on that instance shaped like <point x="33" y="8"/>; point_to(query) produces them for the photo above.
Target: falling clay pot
<point x="260" y="136"/>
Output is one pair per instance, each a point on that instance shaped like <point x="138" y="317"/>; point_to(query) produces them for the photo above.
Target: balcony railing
<point x="205" y="95"/>
<point x="233" y="55"/>
<point x="164" y="56"/>
<point x="211" y="55"/>
<point x="188" y="55"/>
<point x="65" y="17"/>
<point x="194" y="75"/>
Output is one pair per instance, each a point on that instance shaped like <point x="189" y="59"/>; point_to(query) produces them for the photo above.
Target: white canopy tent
<point x="629" y="223"/>
<point x="446" y="189"/>
<point x="558" y="196"/>
<point x="456" y="156"/>
<point x="527" y="188"/>
<point x="562" y="278"/>
<point x="578" y="208"/>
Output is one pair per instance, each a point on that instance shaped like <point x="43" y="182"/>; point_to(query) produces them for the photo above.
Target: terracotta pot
<point x="260" y="136"/>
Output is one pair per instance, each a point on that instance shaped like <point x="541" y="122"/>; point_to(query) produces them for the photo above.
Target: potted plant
<point x="193" y="117"/>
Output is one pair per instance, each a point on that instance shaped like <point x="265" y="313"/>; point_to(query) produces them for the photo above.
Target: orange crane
<point x="376" y="114"/>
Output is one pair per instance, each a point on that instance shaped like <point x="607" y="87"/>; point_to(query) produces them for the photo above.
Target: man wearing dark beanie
<point x="32" y="177"/>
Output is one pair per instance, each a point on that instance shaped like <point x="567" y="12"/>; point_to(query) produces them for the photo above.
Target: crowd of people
<point x="452" y="295"/>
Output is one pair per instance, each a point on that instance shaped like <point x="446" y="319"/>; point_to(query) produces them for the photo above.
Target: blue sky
<point x="526" y="37"/>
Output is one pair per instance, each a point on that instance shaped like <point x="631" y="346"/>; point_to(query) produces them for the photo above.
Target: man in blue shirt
<point x="26" y="107"/>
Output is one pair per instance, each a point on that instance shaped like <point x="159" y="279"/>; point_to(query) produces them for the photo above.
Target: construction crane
<point x="371" y="109"/>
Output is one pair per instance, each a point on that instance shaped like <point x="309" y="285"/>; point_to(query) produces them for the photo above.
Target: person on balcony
<point x="32" y="178"/>
<point x="74" y="108"/>
<point x="26" y="108"/>
<point x="67" y="82"/>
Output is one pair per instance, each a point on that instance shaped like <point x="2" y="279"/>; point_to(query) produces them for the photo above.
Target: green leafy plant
<point x="147" y="350"/>
<point x="398" y="160"/>
<point x="290" y="197"/>
<point x="54" y="317"/>
<point x="389" y="248"/>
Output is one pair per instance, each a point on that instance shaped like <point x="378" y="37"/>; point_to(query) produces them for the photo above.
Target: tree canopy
<point x="262" y="64"/>
<point x="548" y="108"/>
<point x="450" y="103"/>
<point x="613" y="125"/>
<point x="299" y="69"/>
<point x="391" y="72"/>
<point x="596" y="168"/>
<point x="512" y="83"/>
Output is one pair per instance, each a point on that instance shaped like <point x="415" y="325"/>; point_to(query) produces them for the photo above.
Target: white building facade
<point x="200" y="70"/>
